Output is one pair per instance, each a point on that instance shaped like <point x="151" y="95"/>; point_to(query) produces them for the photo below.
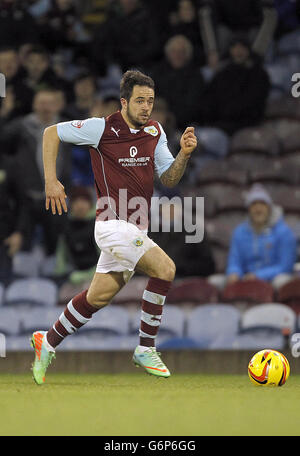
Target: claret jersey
<point x="124" y="162"/>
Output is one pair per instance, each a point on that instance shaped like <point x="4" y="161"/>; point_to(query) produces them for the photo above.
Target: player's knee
<point x="169" y="271"/>
<point x="96" y="301"/>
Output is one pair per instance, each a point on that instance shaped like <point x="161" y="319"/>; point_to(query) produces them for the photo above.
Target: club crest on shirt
<point x="138" y="242"/>
<point x="151" y="130"/>
<point x="77" y="123"/>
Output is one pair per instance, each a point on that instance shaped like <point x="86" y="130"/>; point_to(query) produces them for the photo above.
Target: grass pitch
<point x="138" y="404"/>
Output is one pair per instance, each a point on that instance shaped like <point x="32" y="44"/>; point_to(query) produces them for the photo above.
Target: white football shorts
<point x="122" y="244"/>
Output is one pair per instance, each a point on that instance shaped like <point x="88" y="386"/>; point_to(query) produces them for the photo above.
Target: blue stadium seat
<point x="31" y="291"/>
<point x="208" y="322"/>
<point x="37" y="318"/>
<point x="2" y="290"/>
<point x="10" y="321"/>
<point x="255" y="342"/>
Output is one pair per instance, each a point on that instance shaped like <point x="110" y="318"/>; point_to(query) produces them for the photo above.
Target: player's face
<point x="140" y="105"/>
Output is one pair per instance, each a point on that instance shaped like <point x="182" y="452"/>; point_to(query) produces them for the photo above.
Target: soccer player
<point x="126" y="149"/>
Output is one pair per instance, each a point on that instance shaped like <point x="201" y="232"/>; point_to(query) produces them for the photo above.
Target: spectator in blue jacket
<point x="264" y="246"/>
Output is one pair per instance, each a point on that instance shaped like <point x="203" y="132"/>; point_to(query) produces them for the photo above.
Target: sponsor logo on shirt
<point x="77" y="123"/>
<point x="151" y="130"/>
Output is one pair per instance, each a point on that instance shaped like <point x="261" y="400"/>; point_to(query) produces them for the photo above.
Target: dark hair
<point x="132" y="78"/>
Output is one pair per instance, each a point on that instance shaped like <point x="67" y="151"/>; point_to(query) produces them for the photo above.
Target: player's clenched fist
<point x="188" y="141"/>
<point x="55" y="195"/>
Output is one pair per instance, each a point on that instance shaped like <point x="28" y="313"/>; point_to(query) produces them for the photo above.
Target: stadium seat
<point x="132" y="291"/>
<point x="193" y="290"/>
<point x="172" y="322"/>
<point x="255" y="139"/>
<point x="277" y="172"/>
<point x="254" y="342"/>
<point x="290" y="294"/>
<point x="248" y="160"/>
<point x="109" y="321"/>
<point x="25" y="264"/>
<point x="221" y="172"/>
<point x="221" y="227"/>
<point x="270" y="315"/>
<point x="285" y="196"/>
<point x="291" y="143"/>
<point x="208" y="322"/>
<point x="38" y="318"/>
<point x="32" y="291"/>
<point x="248" y="291"/>
<point x="285" y="107"/>
<point x="227" y="197"/>
<point x="9" y="321"/>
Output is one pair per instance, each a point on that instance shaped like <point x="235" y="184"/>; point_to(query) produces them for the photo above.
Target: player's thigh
<point x="156" y="263"/>
<point x="104" y="287"/>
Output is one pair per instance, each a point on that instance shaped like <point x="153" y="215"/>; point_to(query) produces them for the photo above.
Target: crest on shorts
<point x="138" y="242"/>
<point x="77" y="123"/>
<point x="151" y="130"/>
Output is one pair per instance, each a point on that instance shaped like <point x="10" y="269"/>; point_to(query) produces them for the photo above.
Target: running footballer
<point x="126" y="149"/>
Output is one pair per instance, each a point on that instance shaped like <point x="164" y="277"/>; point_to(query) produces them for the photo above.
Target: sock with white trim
<point x="152" y="308"/>
<point x="77" y="313"/>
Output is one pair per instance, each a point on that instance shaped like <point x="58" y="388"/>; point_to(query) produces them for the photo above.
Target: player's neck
<point x="130" y="124"/>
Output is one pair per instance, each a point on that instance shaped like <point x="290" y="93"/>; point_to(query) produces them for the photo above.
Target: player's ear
<point x="123" y="102"/>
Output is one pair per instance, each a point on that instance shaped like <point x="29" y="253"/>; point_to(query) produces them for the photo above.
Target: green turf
<point x="138" y="404"/>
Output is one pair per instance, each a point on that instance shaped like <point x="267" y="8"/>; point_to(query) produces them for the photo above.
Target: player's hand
<point x="56" y="197"/>
<point x="188" y="141"/>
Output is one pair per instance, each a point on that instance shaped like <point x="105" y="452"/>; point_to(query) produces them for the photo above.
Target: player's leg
<point x="161" y="271"/>
<point x="77" y="313"/>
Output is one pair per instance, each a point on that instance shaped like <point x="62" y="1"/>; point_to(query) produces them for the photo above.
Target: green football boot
<point x="151" y="362"/>
<point x="43" y="357"/>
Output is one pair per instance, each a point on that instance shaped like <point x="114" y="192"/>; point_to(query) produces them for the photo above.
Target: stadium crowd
<point x="223" y="68"/>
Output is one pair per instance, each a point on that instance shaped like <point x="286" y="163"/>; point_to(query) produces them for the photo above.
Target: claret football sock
<point x="152" y="308"/>
<point x="77" y="313"/>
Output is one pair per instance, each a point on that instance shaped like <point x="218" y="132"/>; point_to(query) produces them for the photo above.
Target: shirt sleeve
<point x="82" y="132"/>
<point x="163" y="158"/>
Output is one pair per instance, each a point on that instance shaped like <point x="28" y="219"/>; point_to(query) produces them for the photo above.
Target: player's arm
<point x="54" y="190"/>
<point x="174" y="173"/>
<point x="82" y="133"/>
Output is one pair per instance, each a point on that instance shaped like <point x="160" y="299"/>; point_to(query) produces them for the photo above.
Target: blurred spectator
<point x="85" y="92"/>
<point x="236" y="95"/>
<point x="14" y="214"/>
<point x="17" y="26"/>
<point x="61" y="26"/>
<point x="184" y="21"/>
<point x="191" y="259"/>
<point x="264" y="246"/>
<point x="129" y="38"/>
<point x="221" y="20"/>
<point x="77" y="250"/>
<point x="179" y="81"/>
<point x="23" y="138"/>
<point x="39" y="73"/>
<point x="18" y="96"/>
